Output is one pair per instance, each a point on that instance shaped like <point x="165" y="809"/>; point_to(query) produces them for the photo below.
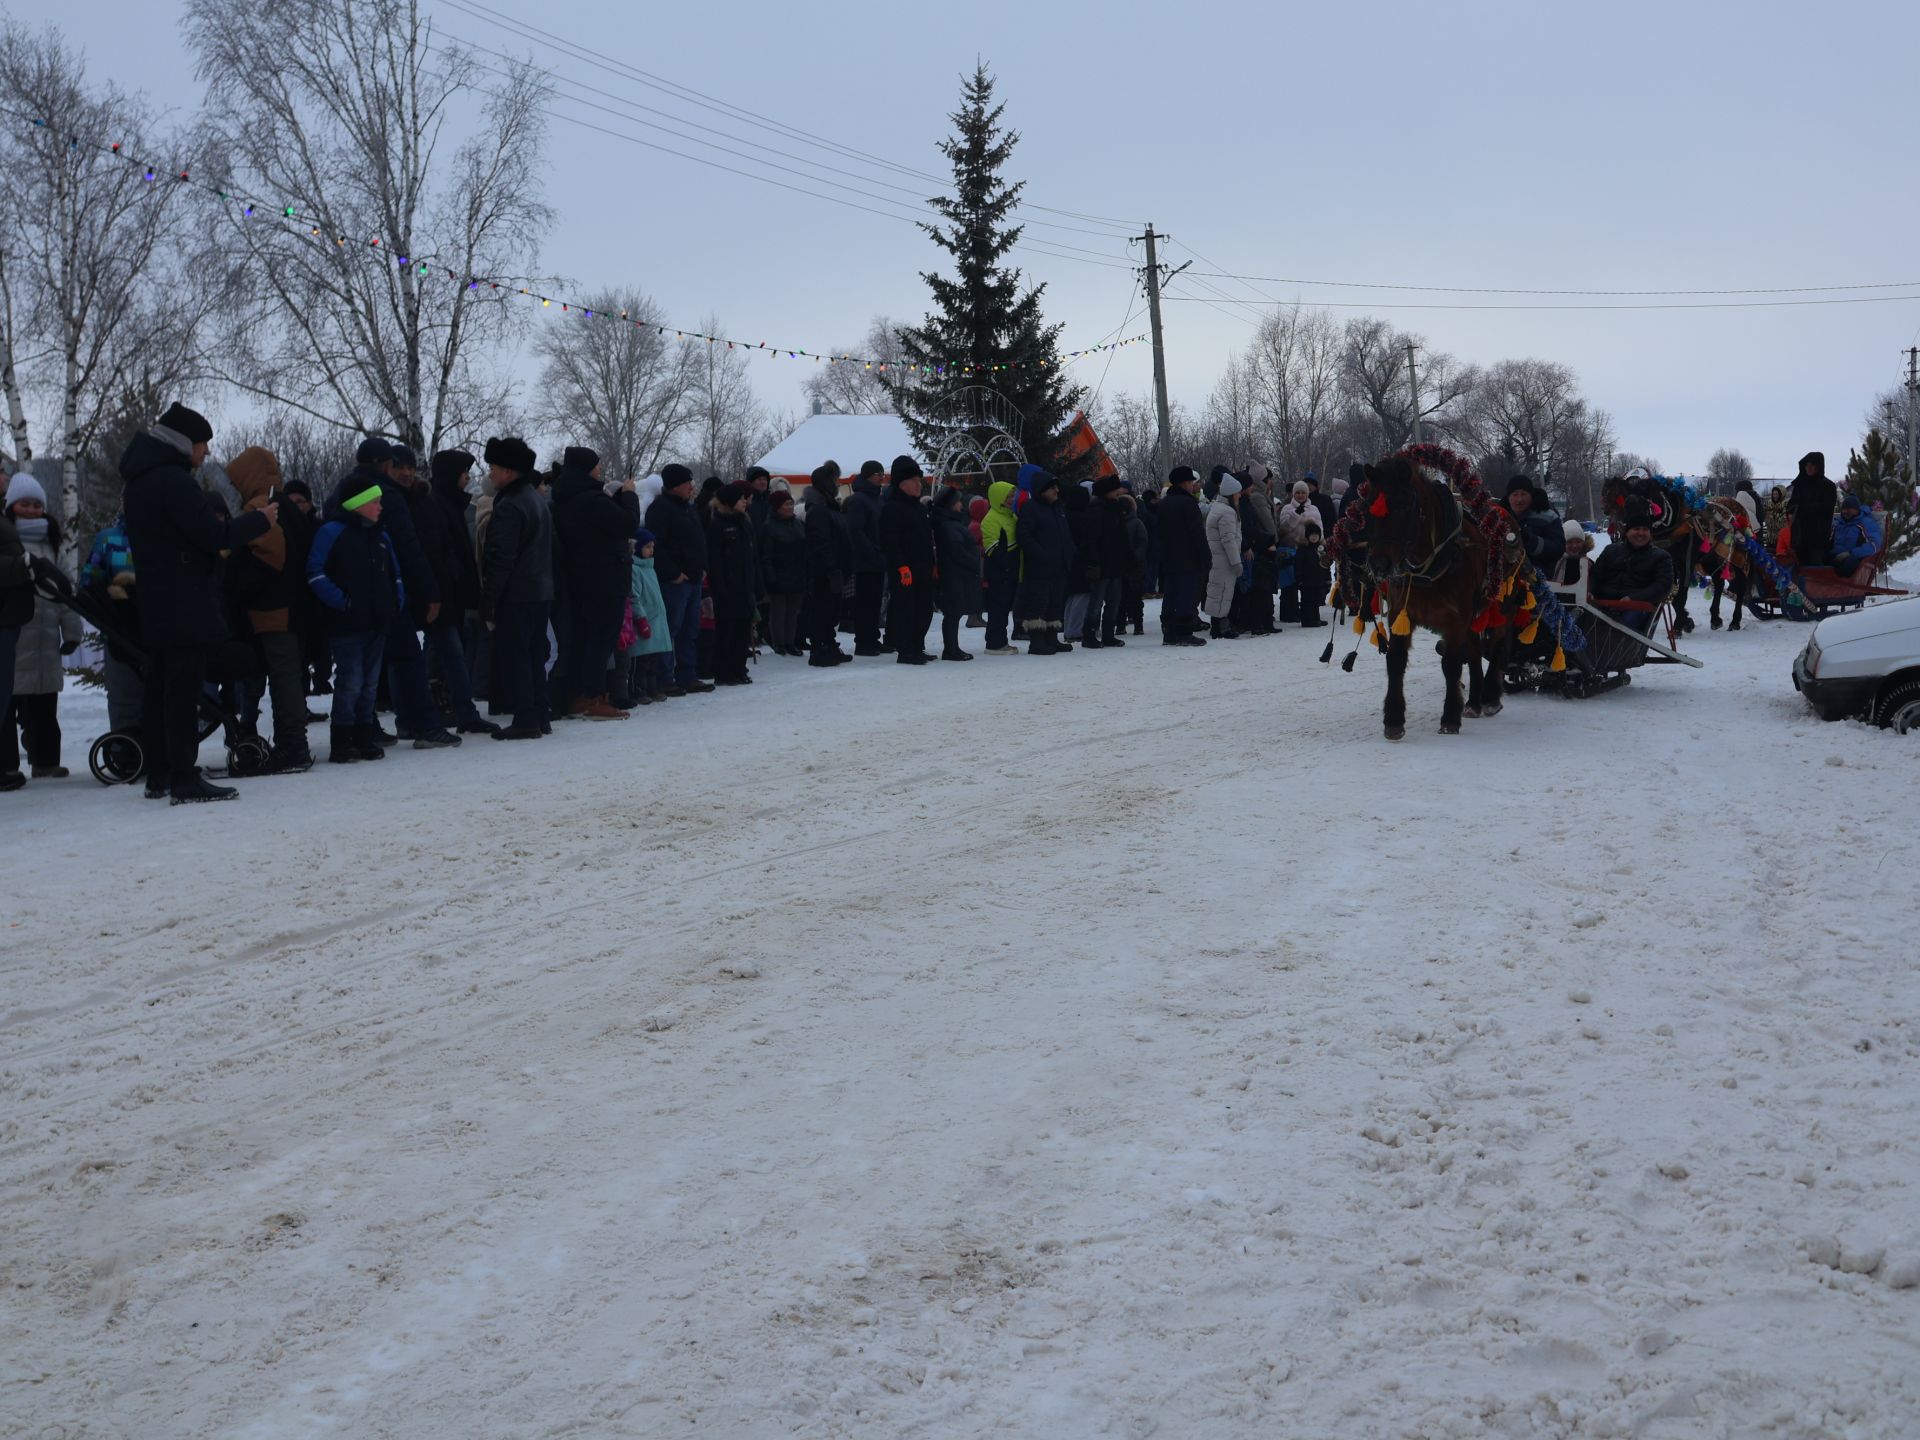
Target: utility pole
<point x="1413" y="381"/>
<point x="1162" y="441"/>
<point x="1913" y="412"/>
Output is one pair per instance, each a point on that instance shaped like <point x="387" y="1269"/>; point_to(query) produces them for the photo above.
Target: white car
<point x="1867" y="663"/>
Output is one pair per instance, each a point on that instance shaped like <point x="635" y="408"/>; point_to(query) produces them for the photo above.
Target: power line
<point x="1512" y="290"/>
<point x="1127" y="320"/>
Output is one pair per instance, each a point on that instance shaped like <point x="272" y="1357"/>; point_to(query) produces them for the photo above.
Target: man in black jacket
<point x="1636" y="569"/>
<point x="1811" y="499"/>
<point x="1046" y="559"/>
<point x="906" y="540"/>
<point x="1542" y="535"/>
<point x="1184" y="559"/>
<point x="516" y="588"/>
<point x="869" y="559"/>
<point x="593" y="532"/>
<point x="680" y="560"/>
<point x="735" y="574"/>
<point x="177" y="537"/>
<point x="829" y="562"/>
<point x="1107" y="558"/>
<point x="440" y="506"/>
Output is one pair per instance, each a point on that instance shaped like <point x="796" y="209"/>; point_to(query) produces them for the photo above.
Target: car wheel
<point x="1898" y="709"/>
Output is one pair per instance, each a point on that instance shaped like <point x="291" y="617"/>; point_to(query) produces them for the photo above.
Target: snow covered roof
<point x="848" y="440"/>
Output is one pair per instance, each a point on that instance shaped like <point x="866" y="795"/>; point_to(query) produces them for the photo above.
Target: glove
<point x="906" y="577"/>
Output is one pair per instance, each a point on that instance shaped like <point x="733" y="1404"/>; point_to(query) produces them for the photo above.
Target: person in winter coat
<point x="782" y="544"/>
<point x="1000" y="563"/>
<point x="906" y="540"/>
<point x="829" y="563"/>
<point x="1107" y="559"/>
<point x="178" y="537"/>
<point x="442" y="518"/>
<point x="1261" y="533"/>
<point x="1185" y="558"/>
<point x="270" y="578"/>
<point x="1810" y="501"/>
<point x="651" y="652"/>
<point x="1148" y="508"/>
<point x="392" y="468"/>
<point x="1635" y="570"/>
<point x="680" y="559"/>
<point x="957" y="556"/>
<point x="1856" y="536"/>
<point x="1046" y="559"/>
<point x="516" y="587"/>
<point x="1077" y="503"/>
<point x="1573" y="560"/>
<point x="1300" y="523"/>
<point x="107" y="576"/>
<point x="1133" y="587"/>
<point x="354" y="570"/>
<point x="16" y="610"/>
<point x="1541" y="530"/>
<point x="593" y="531"/>
<point x="1227" y="554"/>
<point x="869" y="557"/>
<point x="52" y="633"/>
<point x="734" y="572"/>
<point x="1326" y="504"/>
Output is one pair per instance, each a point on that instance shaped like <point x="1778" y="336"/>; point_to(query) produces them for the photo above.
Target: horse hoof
<point x="1472" y="712"/>
<point x="1449" y="729"/>
<point x="1716" y="623"/>
<point x="1733" y="627"/>
<point x="1396" y="732"/>
<point x="1492" y="710"/>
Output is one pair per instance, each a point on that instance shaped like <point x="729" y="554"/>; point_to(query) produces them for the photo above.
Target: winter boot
<point x="346" y="748"/>
<point x="12" y="780"/>
<point x="1113" y="642"/>
<point x="1093" y="642"/>
<point x="435" y="740"/>
<point x="292" y="760"/>
<point x="478" y="725"/>
<point x="198" y="790"/>
<point x="954" y="655"/>
<point x="367" y="742"/>
<point x="374" y="735"/>
<point x="517" y="731"/>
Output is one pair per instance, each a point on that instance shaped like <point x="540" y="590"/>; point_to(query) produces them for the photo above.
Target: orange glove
<point x="906" y="577"/>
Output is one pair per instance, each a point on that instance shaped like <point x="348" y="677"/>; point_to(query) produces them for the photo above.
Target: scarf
<point x="33" y="530"/>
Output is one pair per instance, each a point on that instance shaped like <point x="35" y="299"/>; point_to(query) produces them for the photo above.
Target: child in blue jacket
<point x="355" y="574"/>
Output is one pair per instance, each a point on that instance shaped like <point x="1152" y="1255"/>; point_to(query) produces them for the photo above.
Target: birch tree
<point x="624" y="389"/>
<point x="343" y="124"/>
<point x="729" y="422"/>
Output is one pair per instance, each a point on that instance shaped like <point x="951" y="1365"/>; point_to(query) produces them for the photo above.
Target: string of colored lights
<point x="290" y="218"/>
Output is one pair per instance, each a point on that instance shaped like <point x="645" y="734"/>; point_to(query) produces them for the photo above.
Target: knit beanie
<point x="579" y="457"/>
<point x="1229" y="487"/>
<point x="373" y="451"/>
<point x="642" y="538"/>
<point x="672" y="477"/>
<point x="25" y="487"/>
<point x="905" y="467"/>
<point x="1106" y="485"/>
<point x="190" y="423"/>
<point x="733" y="493"/>
<point x="871" y="468"/>
<point x="450" y="465"/>
<point x="403" y="455"/>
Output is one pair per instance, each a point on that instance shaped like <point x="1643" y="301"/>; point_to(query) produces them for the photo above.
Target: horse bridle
<point x="1437" y="561"/>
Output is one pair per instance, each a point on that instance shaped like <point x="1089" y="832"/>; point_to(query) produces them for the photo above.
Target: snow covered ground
<point x="1123" y="1044"/>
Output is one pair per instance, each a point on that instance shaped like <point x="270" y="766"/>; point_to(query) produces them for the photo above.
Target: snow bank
<point x="1120" y="1044"/>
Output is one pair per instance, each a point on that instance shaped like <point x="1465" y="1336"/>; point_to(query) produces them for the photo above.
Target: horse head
<point x="1397" y="532"/>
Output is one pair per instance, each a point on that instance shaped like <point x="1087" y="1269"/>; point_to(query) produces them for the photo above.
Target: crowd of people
<point x="485" y="596"/>
<point x="544" y="595"/>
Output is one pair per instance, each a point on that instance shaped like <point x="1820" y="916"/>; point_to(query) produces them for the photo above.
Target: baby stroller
<point x="117" y="758"/>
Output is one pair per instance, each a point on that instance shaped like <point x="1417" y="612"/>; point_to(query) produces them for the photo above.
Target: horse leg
<point x="1452" y="656"/>
<point x="1719" y="588"/>
<point x="1683" y="569"/>
<point x="1396" y="712"/>
<point x="1476" y="680"/>
<point x="1497" y="647"/>
<point x="1741" y="580"/>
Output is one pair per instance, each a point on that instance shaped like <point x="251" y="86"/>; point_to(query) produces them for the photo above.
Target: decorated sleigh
<point x="1615" y="637"/>
<point x="1822" y="589"/>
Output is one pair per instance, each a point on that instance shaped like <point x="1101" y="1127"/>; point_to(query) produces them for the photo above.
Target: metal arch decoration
<point x="982" y="429"/>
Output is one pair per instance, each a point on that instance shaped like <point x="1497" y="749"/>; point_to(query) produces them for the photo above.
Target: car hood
<point x="1869" y="623"/>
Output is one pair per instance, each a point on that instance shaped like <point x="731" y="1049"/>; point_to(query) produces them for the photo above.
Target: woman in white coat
<point x="52" y="634"/>
<point x="1223" y="543"/>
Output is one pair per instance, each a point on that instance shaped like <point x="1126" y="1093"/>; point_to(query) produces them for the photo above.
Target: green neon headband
<point x="365" y="497"/>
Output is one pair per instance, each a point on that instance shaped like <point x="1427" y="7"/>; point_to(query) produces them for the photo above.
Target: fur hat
<point x="905" y="467"/>
<point x="579" y="457"/>
<point x="512" y="453"/>
<point x="1106" y="485"/>
<point x="1182" y="475"/>
<point x="733" y="493"/>
<point x="672" y="477"/>
<point x="1637" y="516"/>
<point x="25" y="487"/>
<point x="190" y="423"/>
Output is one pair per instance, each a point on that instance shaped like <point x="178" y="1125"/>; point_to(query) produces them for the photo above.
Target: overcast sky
<point x="1628" y="146"/>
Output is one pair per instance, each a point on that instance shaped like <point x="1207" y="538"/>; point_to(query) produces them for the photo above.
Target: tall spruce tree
<point x="986" y="328"/>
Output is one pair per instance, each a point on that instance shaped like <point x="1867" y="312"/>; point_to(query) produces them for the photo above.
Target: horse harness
<point x="1446" y="549"/>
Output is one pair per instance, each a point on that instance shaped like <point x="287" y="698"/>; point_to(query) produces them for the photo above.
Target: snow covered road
<point x="1118" y="1044"/>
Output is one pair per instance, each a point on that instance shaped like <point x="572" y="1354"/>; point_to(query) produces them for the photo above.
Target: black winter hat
<point x="1356" y="474"/>
<point x="190" y="423"/>
<point x="672" y="477"/>
<point x="1106" y="485"/>
<point x="732" y="494"/>
<point x="373" y="451"/>
<point x="754" y="472"/>
<point x="450" y="465"/>
<point x="905" y="467"/>
<point x="297" y="487"/>
<point x="871" y="468"/>
<point x="403" y="455"/>
<point x="827" y="477"/>
<point x="512" y="453"/>
<point x="579" y="457"/>
<point x="1637" y="515"/>
<point x="1182" y="475"/>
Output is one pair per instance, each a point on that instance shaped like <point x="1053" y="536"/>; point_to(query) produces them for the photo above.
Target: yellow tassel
<point x="1402" y="625"/>
<point x="1359" y="626"/>
<point x="1379" y="639"/>
<point x="1526" y="635"/>
<point x="1333" y="596"/>
<point x="1559" y="659"/>
<point x="1528" y="602"/>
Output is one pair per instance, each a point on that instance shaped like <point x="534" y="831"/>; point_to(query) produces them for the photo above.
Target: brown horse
<point x="1428" y="564"/>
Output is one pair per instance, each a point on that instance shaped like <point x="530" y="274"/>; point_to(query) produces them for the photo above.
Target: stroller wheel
<point x="248" y="757"/>
<point x="117" y="759"/>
